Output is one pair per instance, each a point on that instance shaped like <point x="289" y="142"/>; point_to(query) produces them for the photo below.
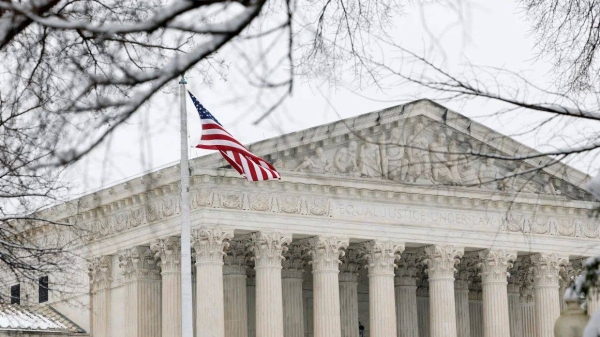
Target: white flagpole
<point x="187" y="328"/>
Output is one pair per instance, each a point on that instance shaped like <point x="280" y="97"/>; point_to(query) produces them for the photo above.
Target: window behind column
<point x="43" y="289"/>
<point x="15" y="294"/>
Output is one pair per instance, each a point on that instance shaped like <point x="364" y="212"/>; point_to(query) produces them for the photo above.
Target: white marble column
<point x="325" y="254"/>
<point x="168" y="250"/>
<point x="141" y="278"/>
<point x="209" y="244"/>
<point x="494" y="265"/>
<point x="476" y="310"/>
<point x="251" y="299"/>
<point x="234" y="290"/>
<point x="547" y="307"/>
<point x="423" y="306"/>
<point x="349" y="272"/>
<point x="291" y="279"/>
<point x="100" y="270"/>
<point x="381" y="256"/>
<point x="528" y="312"/>
<point x="461" y="294"/>
<point x="268" y="248"/>
<point x="440" y="261"/>
<point x="515" y="312"/>
<point x="407" y="323"/>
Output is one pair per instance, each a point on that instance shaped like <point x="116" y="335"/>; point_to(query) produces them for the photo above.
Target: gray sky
<point x="491" y="33"/>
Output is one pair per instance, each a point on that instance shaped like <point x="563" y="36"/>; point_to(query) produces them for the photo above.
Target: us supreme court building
<point x="382" y="225"/>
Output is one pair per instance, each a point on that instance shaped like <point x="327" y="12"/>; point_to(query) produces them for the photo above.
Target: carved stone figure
<point x="316" y="164"/>
<point x="344" y="160"/>
<point x="437" y="154"/>
<point x="467" y="172"/>
<point x="370" y="159"/>
<point x="488" y="173"/>
<point x="453" y="161"/>
<point x="517" y="181"/>
<point x="280" y="164"/>
<point x="416" y="159"/>
<point x="392" y="152"/>
<point x="547" y="185"/>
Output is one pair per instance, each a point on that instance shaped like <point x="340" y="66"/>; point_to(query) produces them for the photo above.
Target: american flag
<point x="215" y="137"/>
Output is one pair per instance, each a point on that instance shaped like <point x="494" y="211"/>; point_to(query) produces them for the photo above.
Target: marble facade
<point x="405" y="237"/>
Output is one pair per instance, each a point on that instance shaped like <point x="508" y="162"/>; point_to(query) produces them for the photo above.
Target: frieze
<point x="520" y="219"/>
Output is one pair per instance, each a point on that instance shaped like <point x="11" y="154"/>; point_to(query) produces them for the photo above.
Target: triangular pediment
<point x="420" y="143"/>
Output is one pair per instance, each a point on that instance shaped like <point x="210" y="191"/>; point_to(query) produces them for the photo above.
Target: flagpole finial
<point x="182" y="81"/>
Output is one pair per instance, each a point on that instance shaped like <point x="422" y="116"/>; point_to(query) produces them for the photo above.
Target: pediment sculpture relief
<point x="422" y="153"/>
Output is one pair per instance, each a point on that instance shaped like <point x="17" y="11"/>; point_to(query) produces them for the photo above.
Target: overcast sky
<point x="490" y="33"/>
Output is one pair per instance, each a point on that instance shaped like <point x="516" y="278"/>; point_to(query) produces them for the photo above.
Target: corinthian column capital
<point x="326" y="251"/>
<point x="351" y="265"/>
<point x="138" y="263"/>
<point x="441" y="260"/>
<point x="293" y="265"/>
<point x="381" y="256"/>
<point x="408" y="269"/>
<point x="100" y="269"/>
<point x="236" y="258"/>
<point x="546" y="268"/>
<point x="209" y="244"/>
<point x="268" y="248"/>
<point x="168" y="250"/>
<point x="494" y="265"/>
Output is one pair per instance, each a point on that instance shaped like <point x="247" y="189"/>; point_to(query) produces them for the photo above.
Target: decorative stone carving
<point x="546" y="268"/>
<point x="100" y="269"/>
<point x="381" y="255"/>
<point x="351" y="265"/>
<point x="416" y="159"/>
<point x="467" y="172"/>
<point x="138" y="263"/>
<point x="409" y="268"/>
<point x="494" y="265"/>
<point x="441" y="260"/>
<point x="488" y="174"/>
<point x="209" y="244"/>
<point x="325" y="252"/>
<point x="392" y="152"/>
<point x="548" y="185"/>
<point x="168" y="250"/>
<point x="438" y="150"/>
<point x="293" y="265"/>
<point x="268" y="247"/>
<point x="345" y="160"/>
<point x="315" y="164"/>
<point x="369" y="159"/>
<point x="235" y="258"/>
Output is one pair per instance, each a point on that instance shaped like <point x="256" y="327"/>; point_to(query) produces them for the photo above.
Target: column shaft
<point x="494" y="265"/>
<point x="349" y="306"/>
<point x="100" y="270"/>
<point x="325" y="252"/>
<point x="381" y="256"/>
<point x="440" y="261"/>
<point x="142" y="292"/>
<point x="476" y="316"/>
<point x="423" y="315"/>
<point x="463" y="325"/>
<point x="268" y="249"/>
<point x="529" y="326"/>
<point x="236" y="315"/>
<point x="208" y="244"/>
<point x="406" y="308"/>
<point x="234" y="288"/>
<point x="547" y="306"/>
<point x="168" y="250"/>
<point x="515" y="314"/>
<point x="251" y="302"/>
<point x="293" y="310"/>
